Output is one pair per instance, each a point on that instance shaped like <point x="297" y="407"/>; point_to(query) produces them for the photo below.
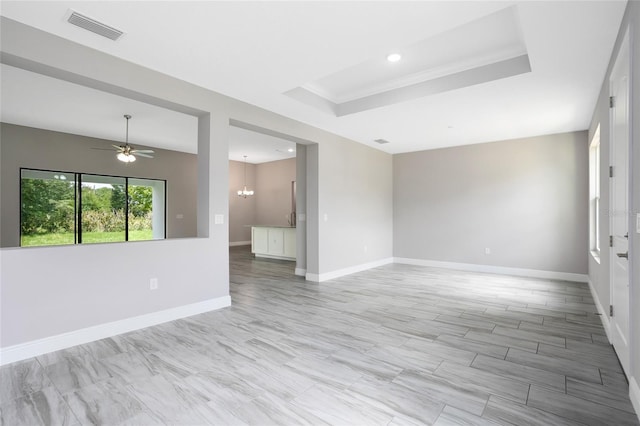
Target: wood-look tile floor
<point x="396" y="345"/>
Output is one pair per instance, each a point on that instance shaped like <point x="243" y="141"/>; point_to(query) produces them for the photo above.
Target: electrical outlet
<point x="487" y="250"/>
<point x="153" y="284"/>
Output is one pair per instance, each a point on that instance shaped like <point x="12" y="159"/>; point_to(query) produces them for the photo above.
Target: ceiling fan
<point x="127" y="153"/>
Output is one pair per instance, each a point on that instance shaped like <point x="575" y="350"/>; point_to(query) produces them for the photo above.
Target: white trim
<point x="239" y="243"/>
<point x="347" y="271"/>
<point x="534" y="273"/>
<point x="634" y="395"/>
<point x="312" y="277"/>
<point x="271" y="256"/>
<point x="85" y="335"/>
<point x="604" y="314"/>
<point x="301" y="272"/>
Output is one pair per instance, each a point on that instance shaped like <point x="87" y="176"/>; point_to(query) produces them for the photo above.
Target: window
<point x="103" y="209"/>
<point x="47" y="208"/>
<point x="60" y="208"/>
<point x="594" y="194"/>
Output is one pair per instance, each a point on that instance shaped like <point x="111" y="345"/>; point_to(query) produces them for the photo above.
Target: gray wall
<point x="301" y="209"/>
<point x="523" y="199"/>
<point x="242" y="211"/>
<point x="355" y="191"/>
<point x="599" y="272"/>
<point x="273" y="191"/>
<point x="43" y="149"/>
<point x="355" y="205"/>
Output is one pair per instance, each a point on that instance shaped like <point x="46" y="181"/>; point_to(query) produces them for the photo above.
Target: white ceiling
<point x="257" y="147"/>
<point x="34" y="100"/>
<point x="258" y="51"/>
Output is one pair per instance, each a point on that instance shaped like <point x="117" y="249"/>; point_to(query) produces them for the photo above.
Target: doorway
<point x="277" y="227"/>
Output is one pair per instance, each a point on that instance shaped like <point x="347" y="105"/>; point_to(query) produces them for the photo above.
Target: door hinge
<point x="610" y="310"/>
<point x="612" y="102"/>
<point x="610" y="240"/>
<point x="610" y="171"/>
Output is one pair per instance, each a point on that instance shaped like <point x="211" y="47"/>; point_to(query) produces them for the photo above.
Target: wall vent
<point x="381" y="141"/>
<point x="94" y="26"/>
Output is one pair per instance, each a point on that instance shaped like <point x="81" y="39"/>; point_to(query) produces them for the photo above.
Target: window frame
<point x="595" y="175"/>
<point x="77" y="205"/>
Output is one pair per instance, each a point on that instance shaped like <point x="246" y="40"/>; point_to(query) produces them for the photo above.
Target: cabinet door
<point x="290" y="242"/>
<point x="276" y="241"/>
<point x="259" y="240"/>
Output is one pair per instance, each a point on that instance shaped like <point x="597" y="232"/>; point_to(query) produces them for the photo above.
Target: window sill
<point x="596" y="255"/>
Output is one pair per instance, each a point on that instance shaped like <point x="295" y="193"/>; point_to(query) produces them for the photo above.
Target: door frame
<point x="625" y="48"/>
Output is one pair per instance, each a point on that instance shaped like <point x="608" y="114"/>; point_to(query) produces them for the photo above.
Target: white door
<point x="619" y="199"/>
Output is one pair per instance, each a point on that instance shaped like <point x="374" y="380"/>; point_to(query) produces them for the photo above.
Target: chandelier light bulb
<point x="244" y="192"/>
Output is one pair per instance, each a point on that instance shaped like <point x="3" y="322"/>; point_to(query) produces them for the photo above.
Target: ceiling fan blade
<point x="143" y="155"/>
<point x="144" y="151"/>
<point x="121" y="148"/>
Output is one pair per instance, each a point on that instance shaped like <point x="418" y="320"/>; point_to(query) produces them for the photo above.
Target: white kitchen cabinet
<point x="290" y="243"/>
<point x="274" y="242"/>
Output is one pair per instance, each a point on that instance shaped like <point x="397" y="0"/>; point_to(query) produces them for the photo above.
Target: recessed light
<point x="394" y="57"/>
<point x="290" y="150"/>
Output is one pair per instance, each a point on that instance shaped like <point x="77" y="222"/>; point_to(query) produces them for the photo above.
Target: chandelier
<point x="244" y="192"/>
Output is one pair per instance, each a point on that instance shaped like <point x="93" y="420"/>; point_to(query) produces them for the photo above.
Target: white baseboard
<point x="347" y="271"/>
<point x="634" y="395"/>
<point x="270" y="256"/>
<point x="533" y="273"/>
<point x="604" y="314"/>
<point x="85" y="335"/>
<point x="239" y="243"/>
<point x="301" y="272"/>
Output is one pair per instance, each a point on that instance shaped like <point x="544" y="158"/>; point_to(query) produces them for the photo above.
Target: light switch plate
<point x="219" y="219"/>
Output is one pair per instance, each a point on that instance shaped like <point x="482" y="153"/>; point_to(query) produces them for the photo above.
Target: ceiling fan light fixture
<point x="126" y="158"/>
<point x="126" y="151"/>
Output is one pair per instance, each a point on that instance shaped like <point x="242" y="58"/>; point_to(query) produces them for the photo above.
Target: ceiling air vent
<point x="381" y="141"/>
<point x="94" y="26"/>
